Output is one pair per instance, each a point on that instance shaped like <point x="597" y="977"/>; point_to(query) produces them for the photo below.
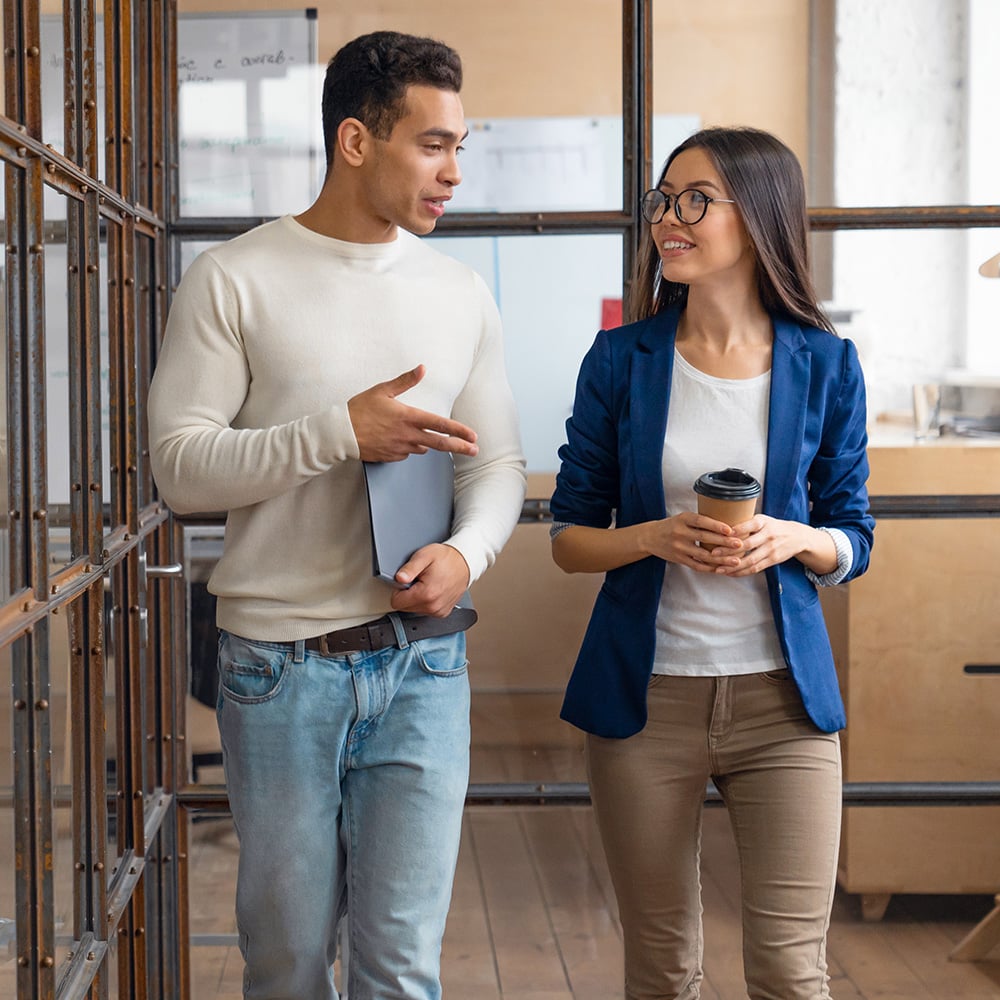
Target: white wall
<point x="901" y="119"/>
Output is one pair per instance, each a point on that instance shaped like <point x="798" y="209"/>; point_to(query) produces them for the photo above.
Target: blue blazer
<point x="816" y="471"/>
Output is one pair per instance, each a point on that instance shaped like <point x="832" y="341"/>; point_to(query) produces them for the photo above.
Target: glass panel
<point x="216" y="963"/>
<point x="57" y="387"/>
<point x="112" y="623"/>
<point x="542" y="369"/>
<point x="145" y="249"/>
<point x="62" y="779"/>
<point x="53" y="87"/>
<point x="110" y="481"/>
<point x="142" y="124"/>
<point x="249" y="95"/>
<point x="8" y="949"/>
<point x="104" y="321"/>
<point x="730" y="63"/>
<point x="907" y="78"/>
<point x="947" y="333"/>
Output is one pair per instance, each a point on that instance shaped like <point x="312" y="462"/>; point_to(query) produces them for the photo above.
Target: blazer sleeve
<point x="839" y="472"/>
<point x="587" y="486"/>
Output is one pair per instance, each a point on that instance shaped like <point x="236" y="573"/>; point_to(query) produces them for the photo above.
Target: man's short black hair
<point x="368" y="77"/>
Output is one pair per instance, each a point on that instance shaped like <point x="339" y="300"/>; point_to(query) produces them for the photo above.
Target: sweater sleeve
<point x="200" y="461"/>
<point x="490" y="487"/>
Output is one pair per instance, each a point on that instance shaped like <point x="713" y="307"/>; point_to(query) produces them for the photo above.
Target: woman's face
<point x="714" y="249"/>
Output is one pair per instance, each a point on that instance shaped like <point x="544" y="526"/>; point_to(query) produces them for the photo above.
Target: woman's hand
<point x="766" y="541"/>
<point x="690" y="539"/>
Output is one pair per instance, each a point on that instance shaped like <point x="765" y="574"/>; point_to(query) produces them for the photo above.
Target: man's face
<point x="411" y="175"/>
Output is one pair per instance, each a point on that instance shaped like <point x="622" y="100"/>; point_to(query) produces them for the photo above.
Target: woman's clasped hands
<point x="708" y="546"/>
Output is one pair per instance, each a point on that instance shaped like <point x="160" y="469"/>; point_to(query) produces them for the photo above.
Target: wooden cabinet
<point x="903" y="635"/>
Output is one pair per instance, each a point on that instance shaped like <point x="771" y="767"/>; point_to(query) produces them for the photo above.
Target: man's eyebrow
<point x="444" y="133"/>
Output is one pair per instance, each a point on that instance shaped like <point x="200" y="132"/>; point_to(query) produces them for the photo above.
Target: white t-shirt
<point x="709" y="624"/>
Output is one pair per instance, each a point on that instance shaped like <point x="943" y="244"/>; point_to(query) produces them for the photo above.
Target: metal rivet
<point x="39" y="515"/>
<point x="90" y="103"/>
<point x="42" y="704"/>
<point x="48" y="962"/>
<point x="20" y="704"/>
<point x="99" y="866"/>
<point x="32" y="50"/>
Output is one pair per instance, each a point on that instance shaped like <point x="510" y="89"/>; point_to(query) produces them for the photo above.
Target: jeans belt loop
<point x="397" y="627"/>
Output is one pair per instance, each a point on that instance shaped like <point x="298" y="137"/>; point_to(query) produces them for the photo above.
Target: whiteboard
<point x="249" y="120"/>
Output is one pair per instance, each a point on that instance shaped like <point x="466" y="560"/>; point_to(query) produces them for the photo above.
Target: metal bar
<point x="17" y="147"/>
<point x="85" y="963"/>
<point x="212" y="798"/>
<point x="637" y="132"/>
<point x="931" y="507"/>
<point x="905" y="217"/>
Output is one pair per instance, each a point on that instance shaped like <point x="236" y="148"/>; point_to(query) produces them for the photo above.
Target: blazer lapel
<point x="649" y="389"/>
<point x="790" y="366"/>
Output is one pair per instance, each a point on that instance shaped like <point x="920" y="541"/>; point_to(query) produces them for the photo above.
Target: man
<point x="344" y="705"/>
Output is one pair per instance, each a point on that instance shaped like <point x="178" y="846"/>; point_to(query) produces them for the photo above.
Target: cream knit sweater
<point x="268" y="338"/>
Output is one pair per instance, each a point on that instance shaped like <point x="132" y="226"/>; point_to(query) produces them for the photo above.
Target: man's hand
<point x="438" y="576"/>
<point x="388" y="430"/>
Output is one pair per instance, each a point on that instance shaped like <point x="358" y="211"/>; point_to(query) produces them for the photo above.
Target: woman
<point x="706" y="655"/>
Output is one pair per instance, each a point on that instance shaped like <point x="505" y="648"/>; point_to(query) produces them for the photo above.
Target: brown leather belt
<point x="380" y="633"/>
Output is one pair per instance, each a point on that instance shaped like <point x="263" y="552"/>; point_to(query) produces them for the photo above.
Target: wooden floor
<point x="533" y="918"/>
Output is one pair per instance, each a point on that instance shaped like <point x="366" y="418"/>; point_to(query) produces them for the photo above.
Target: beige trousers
<point x="780" y="779"/>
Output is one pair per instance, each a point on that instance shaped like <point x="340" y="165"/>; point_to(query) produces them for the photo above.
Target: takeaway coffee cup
<point x="729" y="495"/>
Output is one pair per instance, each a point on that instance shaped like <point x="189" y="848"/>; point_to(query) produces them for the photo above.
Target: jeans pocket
<point x="443" y="655"/>
<point x="251" y="672"/>
<point x="780" y="676"/>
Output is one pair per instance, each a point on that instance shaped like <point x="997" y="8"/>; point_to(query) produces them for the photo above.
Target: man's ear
<point x="353" y="140"/>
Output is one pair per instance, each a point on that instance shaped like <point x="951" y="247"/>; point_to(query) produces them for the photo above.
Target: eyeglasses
<point x="690" y="205"/>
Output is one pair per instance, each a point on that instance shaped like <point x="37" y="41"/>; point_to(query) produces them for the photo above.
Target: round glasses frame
<point x="654" y="205"/>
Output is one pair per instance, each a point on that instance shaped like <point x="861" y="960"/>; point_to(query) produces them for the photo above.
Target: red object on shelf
<point x="611" y="313"/>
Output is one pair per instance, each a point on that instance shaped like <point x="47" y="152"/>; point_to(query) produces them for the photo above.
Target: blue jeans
<point x="347" y="777"/>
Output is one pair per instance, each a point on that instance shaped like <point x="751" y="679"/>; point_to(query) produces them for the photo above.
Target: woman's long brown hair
<point x="764" y="178"/>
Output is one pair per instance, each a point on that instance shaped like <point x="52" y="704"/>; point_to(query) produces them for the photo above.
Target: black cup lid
<point x="727" y="484"/>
